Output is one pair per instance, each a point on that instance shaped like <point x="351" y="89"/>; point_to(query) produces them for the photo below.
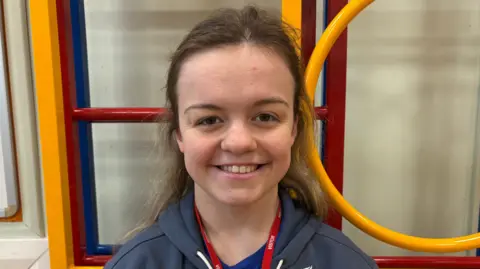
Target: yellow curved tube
<point x="330" y="36"/>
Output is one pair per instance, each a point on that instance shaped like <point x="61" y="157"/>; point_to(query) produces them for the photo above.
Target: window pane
<point x="129" y="44"/>
<point x="126" y="163"/>
<point x="8" y="181"/>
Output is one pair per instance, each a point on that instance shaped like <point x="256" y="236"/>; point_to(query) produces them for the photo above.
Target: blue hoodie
<point x="175" y="242"/>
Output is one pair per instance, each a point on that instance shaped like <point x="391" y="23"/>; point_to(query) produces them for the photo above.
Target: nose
<point x="238" y="139"/>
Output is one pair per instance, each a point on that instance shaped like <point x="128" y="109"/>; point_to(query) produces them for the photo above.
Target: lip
<point x="238" y="164"/>
<point x="238" y="176"/>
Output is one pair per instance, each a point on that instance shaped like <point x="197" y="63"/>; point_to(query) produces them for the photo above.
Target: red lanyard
<point x="267" y="255"/>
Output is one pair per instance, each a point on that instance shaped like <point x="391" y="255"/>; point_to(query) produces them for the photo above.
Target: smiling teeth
<point x="242" y="169"/>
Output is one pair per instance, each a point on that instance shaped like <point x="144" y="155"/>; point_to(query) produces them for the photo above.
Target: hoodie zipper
<point x="209" y="266"/>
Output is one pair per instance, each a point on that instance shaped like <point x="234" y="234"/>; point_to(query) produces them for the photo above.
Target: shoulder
<point x="139" y="252"/>
<point x="340" y="251"/>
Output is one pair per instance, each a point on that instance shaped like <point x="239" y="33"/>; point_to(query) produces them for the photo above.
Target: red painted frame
<point x="335" y="92"/>
<point x="382" y="262"/>
<point x="71" y="131"/>
<point x="428" y="262"/>
<point x="334" y="144"/>
<point x="335" y="100"/>
<point x="309" y="26"/>
<point x="142" y="115"/>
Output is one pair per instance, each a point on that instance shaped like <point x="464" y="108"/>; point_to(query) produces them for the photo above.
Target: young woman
<point x="239" y="194"/>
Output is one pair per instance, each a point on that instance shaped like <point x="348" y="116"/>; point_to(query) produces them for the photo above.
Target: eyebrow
<point x="266" y="101"/>
<point x="271" y="100"/>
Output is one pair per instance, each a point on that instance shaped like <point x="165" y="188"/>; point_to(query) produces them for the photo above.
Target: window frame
<point x="19" y="67"/>
<point x="7" y="151"/>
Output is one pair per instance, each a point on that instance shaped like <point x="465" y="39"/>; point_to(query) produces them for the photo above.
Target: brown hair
<point x="232" y="27"/>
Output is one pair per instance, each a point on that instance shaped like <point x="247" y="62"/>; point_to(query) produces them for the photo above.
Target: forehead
<point x="235" y="74"/>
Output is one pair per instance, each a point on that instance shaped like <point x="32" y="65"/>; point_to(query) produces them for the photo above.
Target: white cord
<point x="280" y="264"/>
<point x="204" y="259"/>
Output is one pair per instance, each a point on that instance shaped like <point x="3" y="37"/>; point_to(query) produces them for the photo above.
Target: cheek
<point x="280" y="143"/>
<point x="198" y="150"/>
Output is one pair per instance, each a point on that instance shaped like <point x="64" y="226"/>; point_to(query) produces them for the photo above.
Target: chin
<point x="241" y="197"/>
<point x="235" y="195"/>
<point x="238" y="197"/>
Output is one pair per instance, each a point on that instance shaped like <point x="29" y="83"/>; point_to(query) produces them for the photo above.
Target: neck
<point x="237" y="231"/>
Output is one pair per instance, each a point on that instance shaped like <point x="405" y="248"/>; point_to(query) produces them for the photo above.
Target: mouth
<point x="240" y="169"/>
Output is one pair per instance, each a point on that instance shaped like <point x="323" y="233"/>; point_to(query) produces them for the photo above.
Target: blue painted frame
<point x="79" y="39"/>
<point x="324" y="83"/>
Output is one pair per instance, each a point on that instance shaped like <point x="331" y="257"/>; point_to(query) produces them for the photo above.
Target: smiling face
<point x="236" y="122"/>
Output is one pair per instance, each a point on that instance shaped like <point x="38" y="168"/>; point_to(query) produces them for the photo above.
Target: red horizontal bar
<point x="95" y="260"/>
<point x="140" y="114"/>
<point x="321" y="112"/>
<point x="383" y="262"/>
<point x="120" y="114"/>
<point x="428" y="262"/>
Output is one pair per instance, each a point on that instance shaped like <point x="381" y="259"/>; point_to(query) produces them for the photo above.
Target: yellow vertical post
<point x="292" y="14"/>
<point x="48" y="86"/>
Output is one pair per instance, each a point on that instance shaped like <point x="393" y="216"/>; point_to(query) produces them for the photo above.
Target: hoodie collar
<point x="297" y="231"/>
<point x="180" y="226"/>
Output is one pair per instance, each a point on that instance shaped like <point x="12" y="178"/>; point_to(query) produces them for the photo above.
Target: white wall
<point x="412" y="106"/>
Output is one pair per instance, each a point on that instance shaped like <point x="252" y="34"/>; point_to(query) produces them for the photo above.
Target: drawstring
<point x="204" y="259"/>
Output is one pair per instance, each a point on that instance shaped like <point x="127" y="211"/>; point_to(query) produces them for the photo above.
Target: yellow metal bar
<point x="48" y="85"/>
<point x="292" y="14"/>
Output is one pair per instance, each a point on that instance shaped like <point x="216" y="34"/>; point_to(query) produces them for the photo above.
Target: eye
<point x="264" y="117"/>
<point x="208" y="121"/>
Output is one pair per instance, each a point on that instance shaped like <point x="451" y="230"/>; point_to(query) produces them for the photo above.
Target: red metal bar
<point x="140" y="114"/>
<point x="309" y="26"/>
<point x="428" y="262"/>
<point x="121" y="114"/>
<point x="382" y="262"/>
<point x="71" y="132"/>
<point x="94" y="260"/>
<point x="321" y="112"/>
<point x="336" y="88"/>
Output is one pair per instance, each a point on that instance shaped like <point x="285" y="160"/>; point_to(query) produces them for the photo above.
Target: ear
<point x="178" y="137"/>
